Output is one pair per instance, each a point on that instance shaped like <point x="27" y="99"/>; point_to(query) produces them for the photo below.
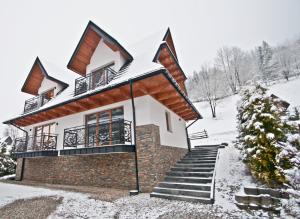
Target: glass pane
<point x="91" y="119"/>
<point x="117" y="114"/>
<point x="91" y="135"/>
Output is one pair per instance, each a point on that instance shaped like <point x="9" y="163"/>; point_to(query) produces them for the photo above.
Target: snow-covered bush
<point x="268" y="141"/>
<point x="7" y="165"/>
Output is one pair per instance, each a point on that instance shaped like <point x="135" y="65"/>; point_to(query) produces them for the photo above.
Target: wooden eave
<point x="159" y="86"/>
<point x="36" y="76"/>
<point x="168" y="38"/>
<point x="167" y="58"/>
<point x="87" y="45"/>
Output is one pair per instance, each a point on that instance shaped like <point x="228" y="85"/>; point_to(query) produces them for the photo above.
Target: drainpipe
<point x="23" y="159"/>
<point x="134" y="137"/>
<point x="187" y="135"/>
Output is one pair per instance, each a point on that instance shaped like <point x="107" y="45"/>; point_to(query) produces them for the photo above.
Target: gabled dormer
<point x="97" y="49"/>
<point x="40" y="84"/>
<point x="166" y="55"/>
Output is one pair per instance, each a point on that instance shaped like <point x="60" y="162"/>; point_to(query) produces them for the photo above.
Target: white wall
<point x="148" y="111"/>
<point x="104" y="55"/>
<point x="47" y="85"/>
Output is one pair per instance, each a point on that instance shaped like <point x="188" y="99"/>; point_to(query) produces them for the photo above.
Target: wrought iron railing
<point x="98" y="134"/>
<point x="42" y="142"/>
<point x="35" y="103"/>
<point x="93" y="80"/>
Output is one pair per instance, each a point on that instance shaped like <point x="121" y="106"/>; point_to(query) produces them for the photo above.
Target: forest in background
<point x="234" y="68"/>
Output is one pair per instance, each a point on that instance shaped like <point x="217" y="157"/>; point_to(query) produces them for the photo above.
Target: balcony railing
<point x="44" y="142"/>
<point x="35" y="103"/>
<point x="93" y="80"/>
<point x="98" y="134"/>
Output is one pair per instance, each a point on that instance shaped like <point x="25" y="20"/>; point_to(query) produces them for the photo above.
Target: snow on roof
<point x="143" y="53"/>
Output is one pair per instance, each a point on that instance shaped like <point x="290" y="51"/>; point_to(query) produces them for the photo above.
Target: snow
<point x="11" y="176"/>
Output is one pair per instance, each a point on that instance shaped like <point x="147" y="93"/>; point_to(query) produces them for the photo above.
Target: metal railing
<point x="198" y="135"/>
<point x="93" y="80"/>
<point x="42" y="142"/>
<point x="98" y="134"/>
<point x="35" y="103"/>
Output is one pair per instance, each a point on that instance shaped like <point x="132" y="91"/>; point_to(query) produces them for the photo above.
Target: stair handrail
<point x="212" y="189"/>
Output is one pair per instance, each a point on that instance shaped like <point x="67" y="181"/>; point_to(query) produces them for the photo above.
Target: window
<point x="43" y="133"/>
<point x="105" y="127"/>
<point x="101" y="76"/>
<point x="168" y="121"/>
<point x="47" y="96"/>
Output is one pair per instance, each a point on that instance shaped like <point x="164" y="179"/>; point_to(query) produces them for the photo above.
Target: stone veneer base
<point x="112" y="170"/>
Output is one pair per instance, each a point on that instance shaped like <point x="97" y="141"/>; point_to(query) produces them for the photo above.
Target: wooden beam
<point x="166" y="95"/>
<point x="172" y="101"/>
<point x="159" y="88"/>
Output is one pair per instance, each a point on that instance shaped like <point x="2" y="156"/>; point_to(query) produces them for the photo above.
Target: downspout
<point x="134" y="137"/>
<point x="187" y="135"/>
<point x="23" y="159"/>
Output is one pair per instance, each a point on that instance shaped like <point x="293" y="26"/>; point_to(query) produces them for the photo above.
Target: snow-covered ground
<point x="223" y="128"/>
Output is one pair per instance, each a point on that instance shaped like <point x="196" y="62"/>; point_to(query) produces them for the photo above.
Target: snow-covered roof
<point x="142" y="52"/>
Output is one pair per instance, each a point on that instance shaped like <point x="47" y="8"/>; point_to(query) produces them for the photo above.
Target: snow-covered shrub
<point x="268" y="141"/>
<point x="7" y="165"/>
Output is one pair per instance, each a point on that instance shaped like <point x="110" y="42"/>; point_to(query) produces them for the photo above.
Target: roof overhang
<point x="35" y="78"/>
<point x="87" y="44"/>
<point x="159" y="84"/>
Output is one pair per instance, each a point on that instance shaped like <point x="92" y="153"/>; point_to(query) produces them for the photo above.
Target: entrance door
<point x="43" y="135"/>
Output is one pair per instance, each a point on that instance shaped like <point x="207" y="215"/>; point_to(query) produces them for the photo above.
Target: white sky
<point x="52" y="29"/>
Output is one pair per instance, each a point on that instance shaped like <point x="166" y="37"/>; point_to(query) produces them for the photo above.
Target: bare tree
<point x="11" y="132"/>
<point x="230" y="61"/>
<point x="210" y="88"/>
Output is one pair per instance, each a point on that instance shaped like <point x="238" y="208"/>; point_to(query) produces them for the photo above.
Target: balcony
<point x="94" y="80"/>
<point x="37" y="145"/>
<point x="36" y="102"/>
<point x="98" y="134"/>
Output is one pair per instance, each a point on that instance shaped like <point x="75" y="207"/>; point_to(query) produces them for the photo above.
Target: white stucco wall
<point x="104" y="55"/>
<point x="148" y="111"/>
<point x="47" y="85"/>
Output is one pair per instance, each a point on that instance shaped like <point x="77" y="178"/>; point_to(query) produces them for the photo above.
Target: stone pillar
<point x="19" y="169"/>
<point x="147" y="142"/>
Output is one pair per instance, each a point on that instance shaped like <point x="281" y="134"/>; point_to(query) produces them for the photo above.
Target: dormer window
<point x="97" y="78"/>
<point x="47" y="96"/>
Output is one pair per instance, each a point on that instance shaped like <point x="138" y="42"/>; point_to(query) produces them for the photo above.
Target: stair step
<point x="184" y="173"/>
<point x="193" y="169"/>
<point x="188" y="179"/>
<point x="182" y="198"/>
<point x="197" y="160"/>
<point x="200" y="157"/>
<point x="185" y="192"/>
<point x="181" y="185"/>
<point x="194" y="164"/>
<point x="204" y="154"/>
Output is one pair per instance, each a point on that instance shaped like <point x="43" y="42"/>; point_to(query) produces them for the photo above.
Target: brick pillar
<point x="19" y="169"/>
<point x="147" y="142"/>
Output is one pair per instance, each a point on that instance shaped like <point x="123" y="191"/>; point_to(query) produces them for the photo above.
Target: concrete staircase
<point x="192" y="178"/>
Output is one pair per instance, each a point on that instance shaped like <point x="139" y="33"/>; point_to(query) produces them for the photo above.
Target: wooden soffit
<point x="87" y="46"/>
<point x="158" y="86"/>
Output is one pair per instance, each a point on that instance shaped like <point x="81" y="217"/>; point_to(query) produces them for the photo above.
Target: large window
<point x="105" y="127"/>
<point x="43" y="133"/>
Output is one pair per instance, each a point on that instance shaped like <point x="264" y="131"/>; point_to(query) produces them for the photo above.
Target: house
<point x="116" y="117"/>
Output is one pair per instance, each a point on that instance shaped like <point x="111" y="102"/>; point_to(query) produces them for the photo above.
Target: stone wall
<point x="154" y="159"/>
<point x="115" y="170"/>
<point x="19" y="169"/>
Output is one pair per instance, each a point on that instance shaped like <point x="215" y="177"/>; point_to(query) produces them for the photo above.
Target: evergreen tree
<point x="264" y="137"/>
<point x="264" y="61"/>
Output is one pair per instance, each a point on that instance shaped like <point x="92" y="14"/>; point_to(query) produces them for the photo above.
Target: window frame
<point x="168" y="121"/>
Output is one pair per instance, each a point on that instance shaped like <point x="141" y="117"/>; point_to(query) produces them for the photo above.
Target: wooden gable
<point x="87" y="45"/>
<point x="168" y="38"/>
<point x="35" y="78"/>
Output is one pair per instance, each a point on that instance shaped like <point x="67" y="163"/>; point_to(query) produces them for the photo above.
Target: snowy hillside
<point x="223" y="128"/>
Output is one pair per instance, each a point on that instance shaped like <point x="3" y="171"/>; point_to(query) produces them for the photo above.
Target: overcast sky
<point x="52" y="29"/>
